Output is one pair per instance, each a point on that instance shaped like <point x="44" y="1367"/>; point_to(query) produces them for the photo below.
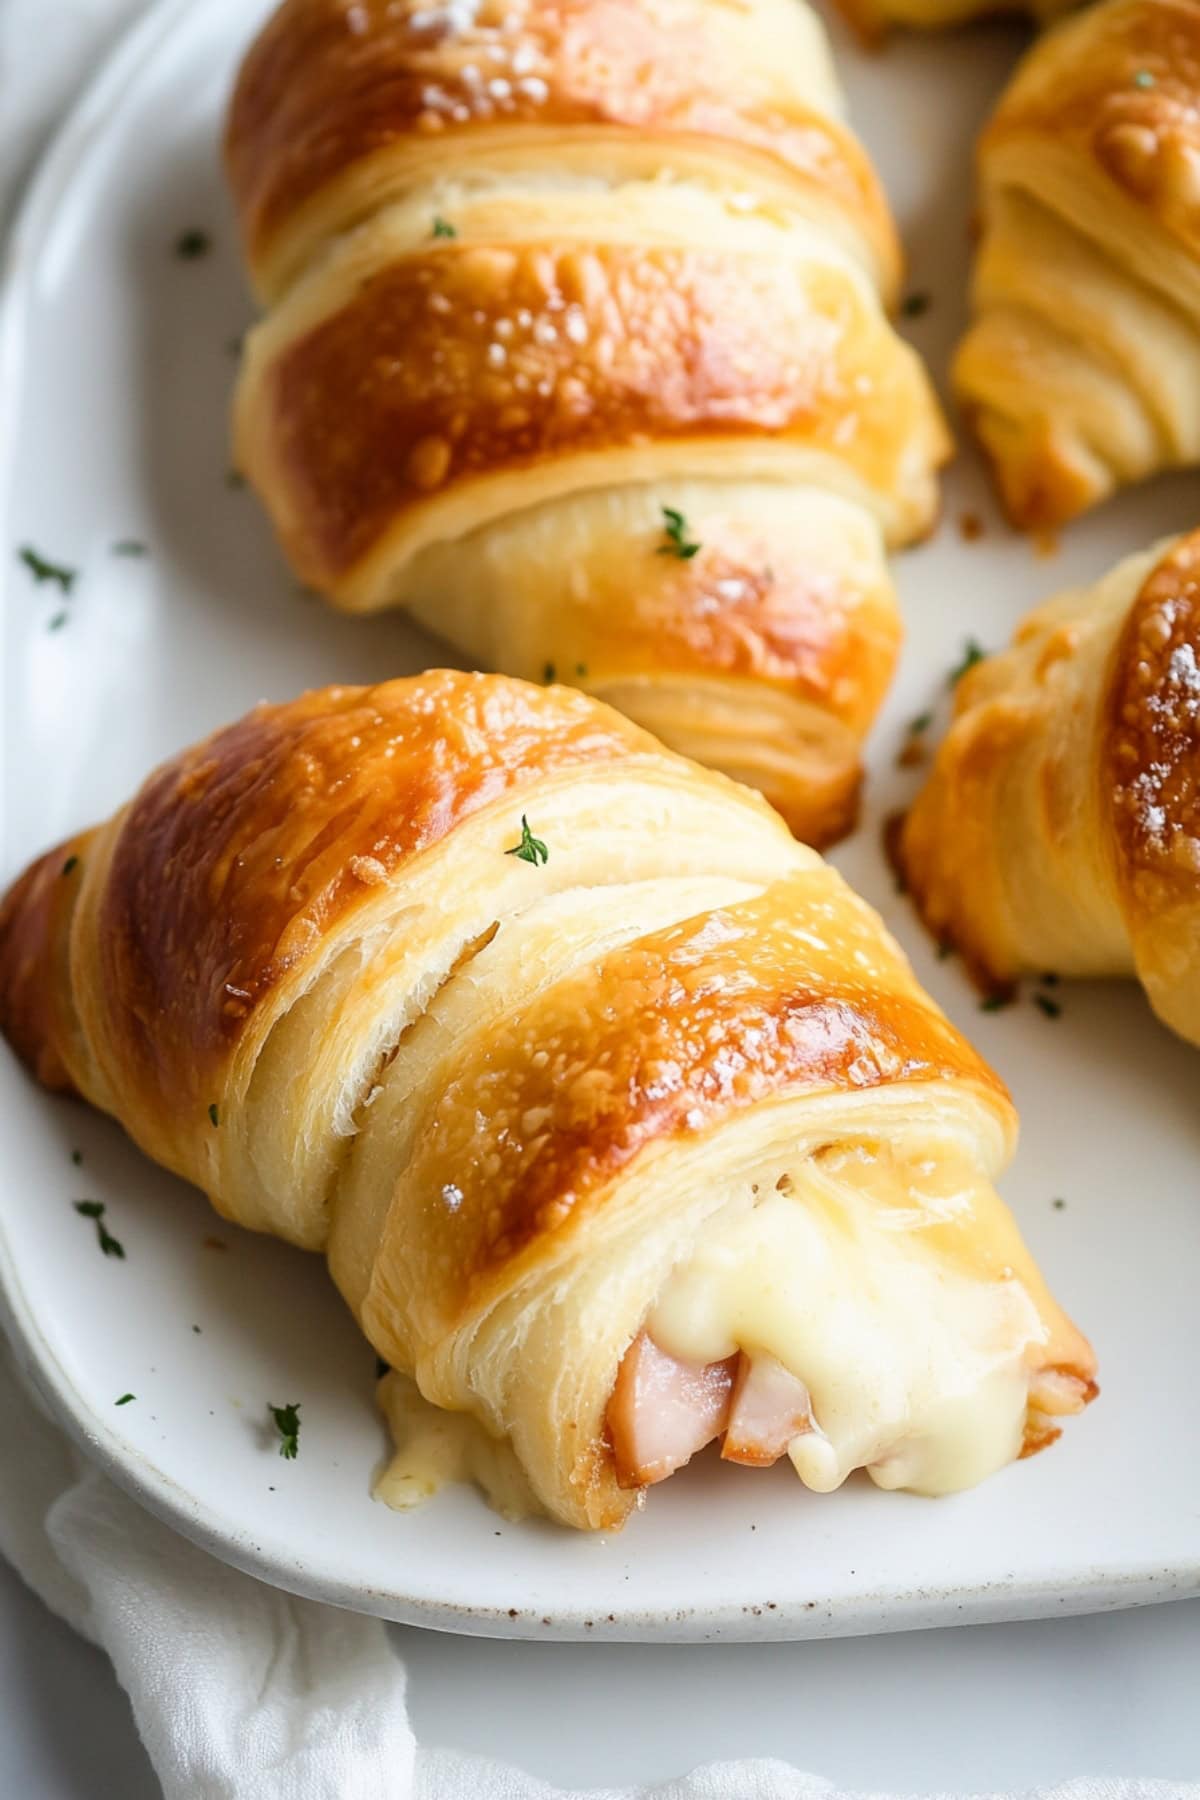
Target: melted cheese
<point x="915" y="1365"/>
<point x="434" y="1447"/>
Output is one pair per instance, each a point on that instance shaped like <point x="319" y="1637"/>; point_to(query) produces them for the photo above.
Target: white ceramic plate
<point x="117" y="371"/>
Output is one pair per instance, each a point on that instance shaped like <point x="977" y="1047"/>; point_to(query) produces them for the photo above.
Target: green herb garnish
<point x="921" y="723"/>
<point x="77" y="1157"/>
<point x="125" y="1399"/>
<point x="130" y="547"/>
<point x="214" y="1116"/>
<point x="675" y="530"/>
<point x="549" y="673"/>
<point x="995" y="1002"/>
<point x="57" y="622"/>
<point x="382" y="1368"/>
<point x="1058" y="1204"/>
<point x="1045" y="1004"/>
<point x="442" y="228"/>
<point x="42" y="569"/>
<point x="972" y="653"/>
<point x="287" y="1424"/>
<point x="914" y="305"/>
<point x="191" y="244"/>
<point x="72" y="862"/>
<point x="94" y="1209"/>
<point x="581" y="669"/>
<point x="530" y="849"/>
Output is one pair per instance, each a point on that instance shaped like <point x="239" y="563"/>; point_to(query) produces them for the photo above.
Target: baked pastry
<point x="621" y="1120"/>
<point x="1081" y="371"/>
<point x="577" y="350"/>
<point x="1060" y="827"/>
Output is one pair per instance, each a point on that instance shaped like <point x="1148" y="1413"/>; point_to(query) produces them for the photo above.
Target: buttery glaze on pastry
<point x="642" y="1137"/>
<point x="537" y="272"/>
<point x="1081" y="371"/>
<point x="1060" y="827"/>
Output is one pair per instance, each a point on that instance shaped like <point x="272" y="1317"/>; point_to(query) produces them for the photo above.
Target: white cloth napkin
<point x="241" y="1692"/>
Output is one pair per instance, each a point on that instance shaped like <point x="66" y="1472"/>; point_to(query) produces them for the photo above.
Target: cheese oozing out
<point x="914" y="1360"/>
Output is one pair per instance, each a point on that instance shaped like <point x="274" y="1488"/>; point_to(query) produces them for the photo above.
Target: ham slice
<point x="663" y="1410"/>
<point x="768" y="1408"/>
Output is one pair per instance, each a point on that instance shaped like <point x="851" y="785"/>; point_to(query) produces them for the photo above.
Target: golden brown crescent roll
<point x="1060" y="827"/>
<point x="1081" y="371"/>
<point x="577" y="350"/>
<point x="621" y="1120"/>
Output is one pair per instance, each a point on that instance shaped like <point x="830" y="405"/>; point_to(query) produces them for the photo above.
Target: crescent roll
<point x="1060" y="826"/>
<point x="622" y="1122"/>
<point x="1081" y="370"/>
<point x="576" y="349"/>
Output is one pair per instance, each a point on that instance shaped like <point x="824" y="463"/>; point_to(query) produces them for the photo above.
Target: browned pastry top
<point x="1123" y="91"/>
<point x="665" y="1036"/>
<point x="237" y="857"/>
<point x="460" y="361"/>
<point x="1151" y="756"/>
<point x="332" y="83"/>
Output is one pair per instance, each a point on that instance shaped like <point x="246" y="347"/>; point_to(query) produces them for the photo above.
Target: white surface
<point x="1008" y="1704"/>
<point x="117" y="430"/>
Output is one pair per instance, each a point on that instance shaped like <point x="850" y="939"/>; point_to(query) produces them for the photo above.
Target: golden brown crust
<point x="236" y="859"/>
<point x="739" y="609"/>
<point x="665" y="1037"/>
<point x="1118" y="86"/>
<point x="1059" y="828"/>
<point x="327" y="86"/>
<point x="1149" y="767"/>
<point x="468" y="362"/>
<point x="35" y="917"/>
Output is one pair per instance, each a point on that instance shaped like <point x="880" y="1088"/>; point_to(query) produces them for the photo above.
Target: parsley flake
<point x="287" y="1424"/>
<point x="72" y="862"/>
<point x="995" y="1002"/>
<point x="382" y="1368"/>
<point x="77" y="1157"/>
<point x="530" y="849"/>
<point x="130" y="547"/>
<point x="214" y="1115"/>
<point x="549" y="673"/>
<point x="675" y="530"/>
<point x="95" y="1209"/>
<point x="125" y="1399"/>
<point x="972" y="653"/>
<point x="914" y="306"/>
<point x="192" y="244"/>
<point x="1046" y="1005"/>
<point x="42" y="569"/>
<point x="921" y="723"/>
<point x="1058" y="1204"/>
<point x="581" y="669"/>
<point x="57" y="622"/>
<point x="442" y="228"/>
